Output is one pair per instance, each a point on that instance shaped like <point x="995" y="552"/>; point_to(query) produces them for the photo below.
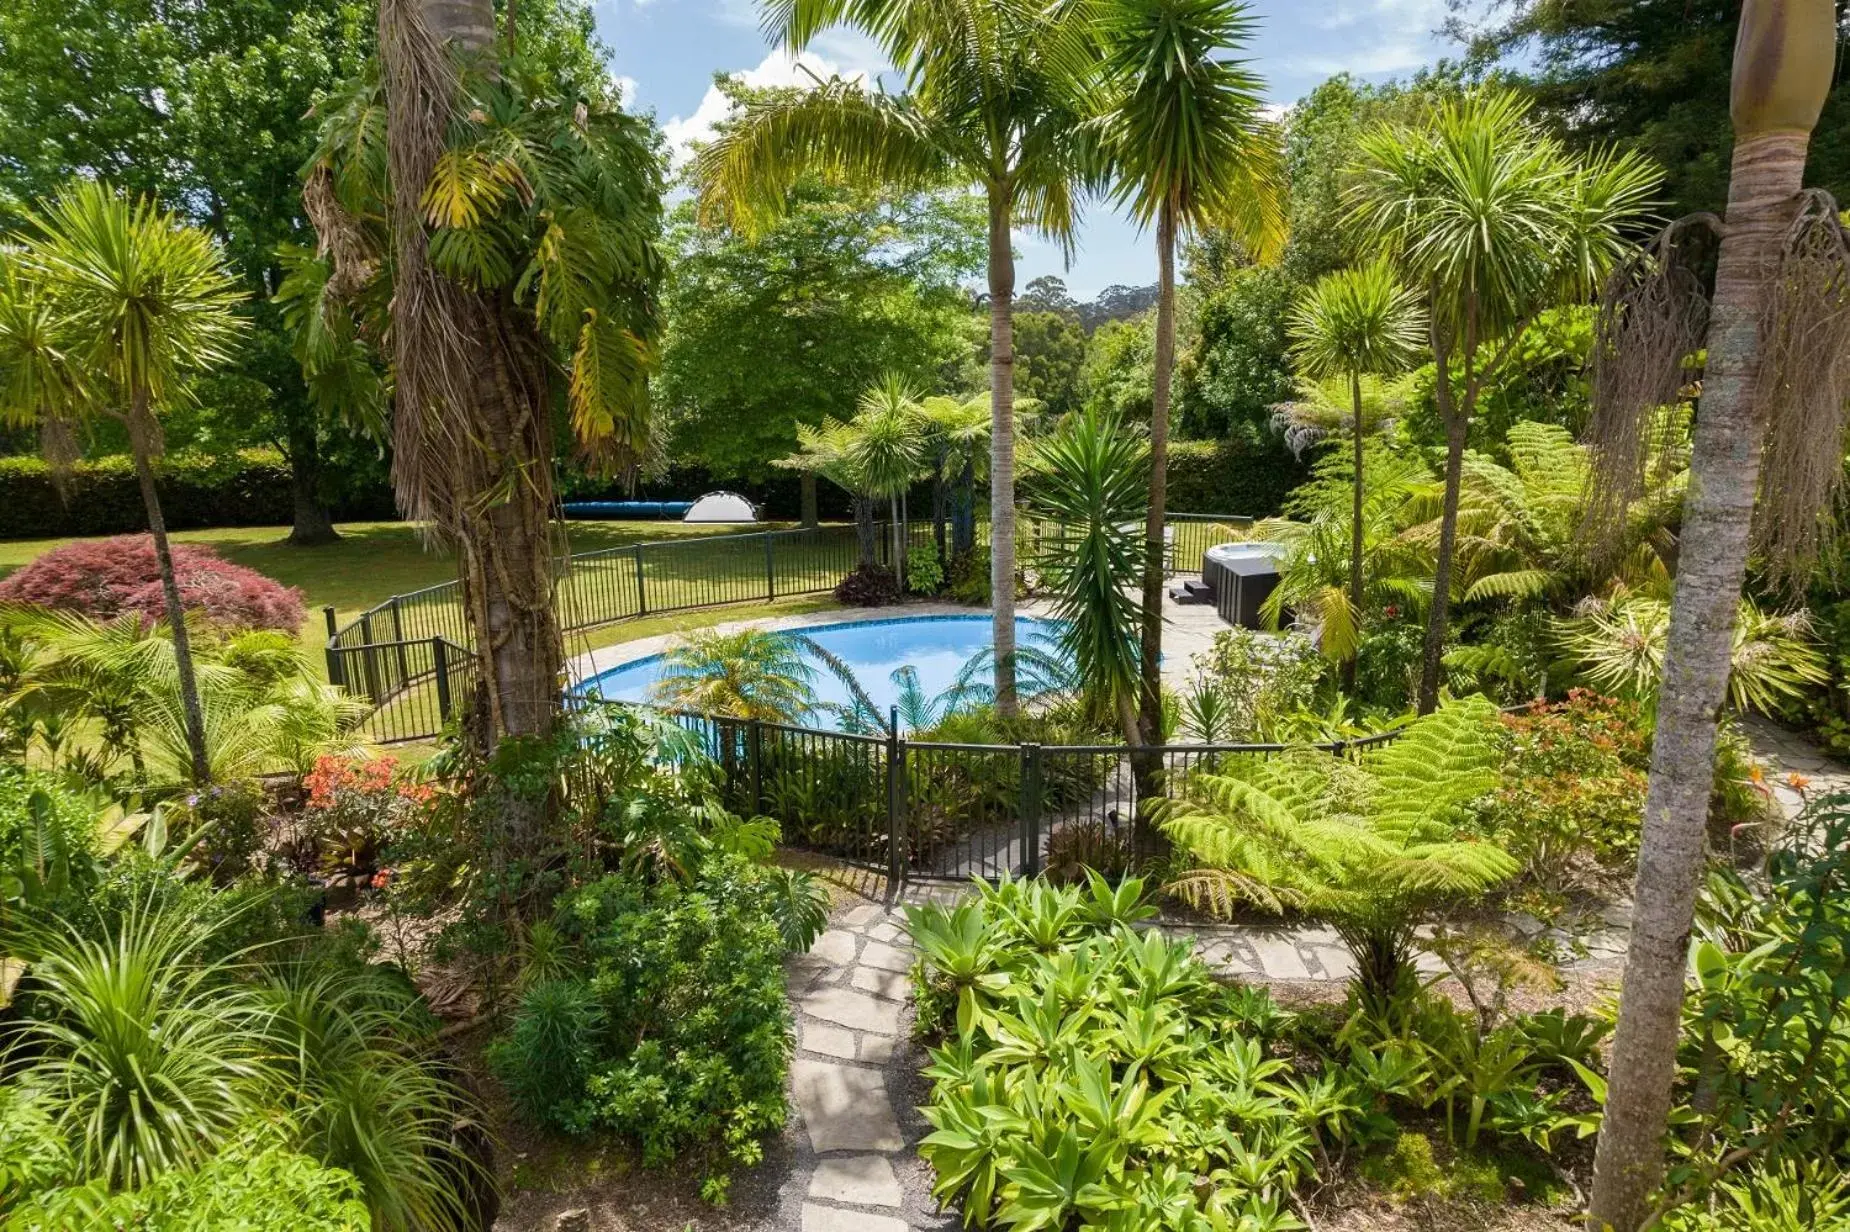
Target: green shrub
<point x="924" y="572"/>
<point x="694" y="1035"/>
<point x="48" y="843"/>
<point x="1570" y="798"/>
<point x="231" y="823"/>
<point x="546" y="1055"/>
<point x="1231" y="476"/>
<point x="255" y="1185"/>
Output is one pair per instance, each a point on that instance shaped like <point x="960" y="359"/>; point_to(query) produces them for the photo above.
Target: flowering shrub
<point x="1571" y="798"/>
<point x="105" y="578"/>
<point x="232" y="816"/>
<point x="358" y="805"/>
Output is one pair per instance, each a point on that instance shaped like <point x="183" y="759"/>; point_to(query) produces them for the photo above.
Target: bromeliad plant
<point x="1373" y="846"/>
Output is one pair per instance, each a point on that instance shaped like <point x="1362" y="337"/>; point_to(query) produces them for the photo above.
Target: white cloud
<point x="850" y="57"/>
<point x="626" y="86"/>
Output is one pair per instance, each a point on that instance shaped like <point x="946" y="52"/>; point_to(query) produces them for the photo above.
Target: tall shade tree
<point x="1187" y="142"/>
<point x="996" y="95"/>
<point x="1493" y="221"/>
<point x="1349" y="325"/>
<point x="1782" y="283"/>
<point x="503" y="216"/>
<point x="110" y="307"/>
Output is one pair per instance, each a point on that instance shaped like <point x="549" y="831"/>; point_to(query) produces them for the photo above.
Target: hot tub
<point x="1242" y="576"/>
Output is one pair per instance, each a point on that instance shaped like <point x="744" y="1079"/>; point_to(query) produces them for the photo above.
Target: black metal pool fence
<point x="929" y="810"/>
<point x="408" y="658"/>
<point x="912" y="809"/>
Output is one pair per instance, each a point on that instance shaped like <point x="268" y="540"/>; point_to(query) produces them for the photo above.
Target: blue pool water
<point x="936" y="647"/>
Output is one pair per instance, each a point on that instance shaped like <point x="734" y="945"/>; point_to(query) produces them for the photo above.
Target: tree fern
<point x="1372" y="846"/>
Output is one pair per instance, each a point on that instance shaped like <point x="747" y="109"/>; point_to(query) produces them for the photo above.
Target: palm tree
<point x="500" y="220"/>
<point x="960" y="436"/>
<point x="111" y="305"/>
<point x="888" y="452"/>
<point x="1493" y="220"/>
<point x="750" y="674"/>
<point x="1783" y="68"/>
<point x="1090" y="478"/>
<point x="1351" y="324"/>
<point x="997" y="91"/>
<point x="1185" y="135"/>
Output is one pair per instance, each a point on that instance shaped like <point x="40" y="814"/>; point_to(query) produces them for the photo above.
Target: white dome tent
<point x="721" y="507"/>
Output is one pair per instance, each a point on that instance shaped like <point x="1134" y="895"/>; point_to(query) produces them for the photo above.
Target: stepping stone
<point x="886" y="957"/>
<point x="845" y="1007"/>
<point x="889" y="984"/>
<point x="1279" y="959"/>
<point x="877" y="1049"/>
<point x="1429" y="964"/>
<point x="886" y="932"/>
<point x="858" y="1180"/>
<point x="834" y="947"/>
<point x="844" y="1108"/>
<point x="834" y="1219"/>
<point x="865" y="914"/>
<point x="830" y="1041"/>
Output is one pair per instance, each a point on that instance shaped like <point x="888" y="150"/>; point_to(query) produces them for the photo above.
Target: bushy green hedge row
<point x="101" y="496"/>
<point x="1231" y="476"/>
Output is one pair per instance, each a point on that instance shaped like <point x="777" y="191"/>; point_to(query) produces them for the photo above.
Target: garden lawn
<point x="375" y="560"/>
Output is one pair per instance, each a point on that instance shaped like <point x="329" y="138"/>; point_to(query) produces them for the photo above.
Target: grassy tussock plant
<point x="1371" y="845"/>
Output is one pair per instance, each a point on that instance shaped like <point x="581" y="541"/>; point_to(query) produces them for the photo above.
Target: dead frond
<point x="1804" y="391"/>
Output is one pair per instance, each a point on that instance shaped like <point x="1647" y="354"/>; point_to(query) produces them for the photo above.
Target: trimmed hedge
<point x="1232" y="476"/>
<point x="251" y="487"/>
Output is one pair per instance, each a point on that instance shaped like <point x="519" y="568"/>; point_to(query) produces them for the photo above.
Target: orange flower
<point x="1797" y="781"/>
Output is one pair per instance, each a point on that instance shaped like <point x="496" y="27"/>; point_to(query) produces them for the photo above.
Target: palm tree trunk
<point x="1002" y="445"/>
<point x="807" y="494"/>
<point x="866" y="534"/>
<point x="1150" y="651"/>
<point x="141" y="446"/>
<point x="963" y="532"/>
<point x="1355" y="530"/>
<point x="1782" y="73"/>
<point x="1457" y="420"/>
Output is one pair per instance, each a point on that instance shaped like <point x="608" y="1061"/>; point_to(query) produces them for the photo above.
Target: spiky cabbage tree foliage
<point x="492" y="228"/>
<point x="1314" y="574"/>
<point x="1372" y="846"/>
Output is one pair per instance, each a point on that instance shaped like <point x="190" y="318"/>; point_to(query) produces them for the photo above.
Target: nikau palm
<point x="1777" y="333"/>
<point x="106" y="310"/>
<point x="1188" y="145"/>
<point x="1354" y="324"/>
<point x="1492" y="220"/>
<point x="997" y="92"/>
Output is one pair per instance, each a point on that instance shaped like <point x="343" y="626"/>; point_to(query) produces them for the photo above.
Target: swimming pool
<point x="936" y="648"/>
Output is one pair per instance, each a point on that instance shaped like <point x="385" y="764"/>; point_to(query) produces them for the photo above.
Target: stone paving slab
<point x="844" y="1107"/>
<point x="846" y="1007"/>
<point x="834" y="1219"/>
<point x="856" y="1180"/>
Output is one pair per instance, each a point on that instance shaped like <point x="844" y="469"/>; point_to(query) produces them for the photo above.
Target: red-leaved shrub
<point x="104" y="578"/>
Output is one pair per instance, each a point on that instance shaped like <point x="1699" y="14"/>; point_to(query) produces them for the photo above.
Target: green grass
<point x="371" y="562"/>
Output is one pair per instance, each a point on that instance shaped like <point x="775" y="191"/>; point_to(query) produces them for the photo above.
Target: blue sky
<point x="666" y="52"/>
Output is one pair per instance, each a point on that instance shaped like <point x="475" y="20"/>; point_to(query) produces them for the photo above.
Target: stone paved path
<point x="1796" y="769"/>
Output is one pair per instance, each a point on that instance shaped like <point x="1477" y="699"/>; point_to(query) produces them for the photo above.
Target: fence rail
<point x="928" y="810"/>
<point x="409" y="658"/>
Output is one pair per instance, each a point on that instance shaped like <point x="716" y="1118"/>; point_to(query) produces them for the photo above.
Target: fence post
<point x="1030" y="805"/>
<point x="440" y="663"/>
<point x="370" y="659"/>
<point x="754" y="749"/>
<point x="770" y="570"/>
<point x="642" y="594"/>
<point x="895" y="803"/>
<point x="398" y="635"/>
<point x="335" y="675"/>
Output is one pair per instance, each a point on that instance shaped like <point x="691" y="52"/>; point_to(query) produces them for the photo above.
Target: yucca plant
<point x="1372" y="846"/>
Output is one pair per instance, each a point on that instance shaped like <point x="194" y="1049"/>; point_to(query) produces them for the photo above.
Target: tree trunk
<point x="473" y="434"/>
<point x="940" y="517"/>
<point x="1002" y="445"/>
<point x="141" y="446"/>
<point x="963" y="535"/>
<point x="866" y="534"/>
<point x="1355" y="532"/>
<point x="1150" y="650"/>
<point x="1782" y="72"/>
<point x="312" y="525"/>
<point x="1457" y="420"/>
<point x="807" y="481"/>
